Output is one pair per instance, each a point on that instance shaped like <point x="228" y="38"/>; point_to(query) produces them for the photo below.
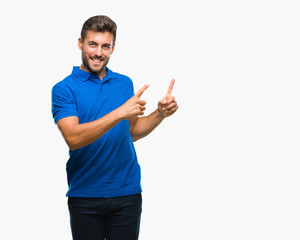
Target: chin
<point x="98" y="70"/>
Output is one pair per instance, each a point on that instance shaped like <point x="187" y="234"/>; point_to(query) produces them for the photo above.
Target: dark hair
<point x="99" y="23"/>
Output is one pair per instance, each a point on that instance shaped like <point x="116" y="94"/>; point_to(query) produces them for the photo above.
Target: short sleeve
<point x="63" y="103"/>
<point x="131" y="88"/>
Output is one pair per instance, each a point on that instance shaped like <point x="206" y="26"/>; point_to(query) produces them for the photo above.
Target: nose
<point x="98" y="52"/>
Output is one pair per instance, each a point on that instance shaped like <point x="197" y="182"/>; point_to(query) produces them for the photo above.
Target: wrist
<point x="159" y="114"/>
<point x="119" y="114"/>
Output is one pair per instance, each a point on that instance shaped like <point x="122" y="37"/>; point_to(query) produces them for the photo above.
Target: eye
<point x="106" y="47"/>
<point x="92" y="44"/>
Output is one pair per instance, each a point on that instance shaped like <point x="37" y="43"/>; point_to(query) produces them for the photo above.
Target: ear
<point x="80" y="43"/>
<point x="112" y="49"/>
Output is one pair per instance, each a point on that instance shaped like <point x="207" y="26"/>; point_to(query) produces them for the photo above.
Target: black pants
<point x="105" y="218"/>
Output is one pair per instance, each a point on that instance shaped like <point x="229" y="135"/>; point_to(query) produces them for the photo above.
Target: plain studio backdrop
<point x="225" y="166"/>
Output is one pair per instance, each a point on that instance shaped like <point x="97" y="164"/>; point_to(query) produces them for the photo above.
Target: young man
<point x="99" y="117"/>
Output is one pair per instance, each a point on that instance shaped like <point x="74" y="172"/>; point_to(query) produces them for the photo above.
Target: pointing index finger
<point x="142" y="90"/>
<point x="171" y="86"/>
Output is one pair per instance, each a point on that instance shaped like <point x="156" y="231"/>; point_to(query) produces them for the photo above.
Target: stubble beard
<point x="90" y="69"/>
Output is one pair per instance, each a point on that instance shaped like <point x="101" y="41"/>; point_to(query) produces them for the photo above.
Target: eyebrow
<point x="105" y="44"/>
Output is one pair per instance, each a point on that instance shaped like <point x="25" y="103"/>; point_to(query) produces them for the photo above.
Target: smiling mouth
<point x="97" y="60"/>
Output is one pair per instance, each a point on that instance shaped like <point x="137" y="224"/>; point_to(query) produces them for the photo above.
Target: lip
<point x="96" y="61"/>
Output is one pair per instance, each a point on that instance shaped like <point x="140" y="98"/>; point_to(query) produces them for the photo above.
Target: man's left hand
<point x="167" y="106"/>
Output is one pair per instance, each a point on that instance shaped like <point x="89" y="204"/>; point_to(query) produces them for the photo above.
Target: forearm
<point x="80" y="135"/>
<point x="142" y="126"/>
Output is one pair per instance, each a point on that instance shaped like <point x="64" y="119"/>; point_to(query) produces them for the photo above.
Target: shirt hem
<point x="103" y="195"/>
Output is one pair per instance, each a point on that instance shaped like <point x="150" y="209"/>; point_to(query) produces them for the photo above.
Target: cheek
<point x="108" y="53"/>
<point x="88" y="51"/>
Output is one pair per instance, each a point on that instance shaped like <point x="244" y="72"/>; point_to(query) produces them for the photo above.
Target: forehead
<point x="99" y="37"/>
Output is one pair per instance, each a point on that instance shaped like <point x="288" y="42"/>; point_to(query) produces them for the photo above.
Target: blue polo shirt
<point x="108" y="167"/>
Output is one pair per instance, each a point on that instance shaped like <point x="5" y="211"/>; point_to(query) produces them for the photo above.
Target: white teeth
<point x="96" y="60"/>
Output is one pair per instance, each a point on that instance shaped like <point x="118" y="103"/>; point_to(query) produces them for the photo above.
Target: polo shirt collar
<point x="84" y="76"/>
<point x="109" y="75"/>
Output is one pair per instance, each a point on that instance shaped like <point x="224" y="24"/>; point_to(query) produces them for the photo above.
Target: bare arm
<point x="80" y="135"/>
<point x="142" y="126"/>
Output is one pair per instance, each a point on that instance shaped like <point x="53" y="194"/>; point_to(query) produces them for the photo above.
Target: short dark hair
<point x="99" y="23"/>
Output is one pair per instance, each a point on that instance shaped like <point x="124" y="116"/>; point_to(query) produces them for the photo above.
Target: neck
<point x="100" y="74"/>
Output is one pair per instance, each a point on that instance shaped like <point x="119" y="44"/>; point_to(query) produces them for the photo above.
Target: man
<point x="99" y="117"/>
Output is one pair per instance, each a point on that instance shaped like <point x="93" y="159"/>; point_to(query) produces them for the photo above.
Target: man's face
<point x="96" y="50"/>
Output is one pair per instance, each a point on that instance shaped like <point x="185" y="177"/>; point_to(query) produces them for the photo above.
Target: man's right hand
<point x="135" y="106"/>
